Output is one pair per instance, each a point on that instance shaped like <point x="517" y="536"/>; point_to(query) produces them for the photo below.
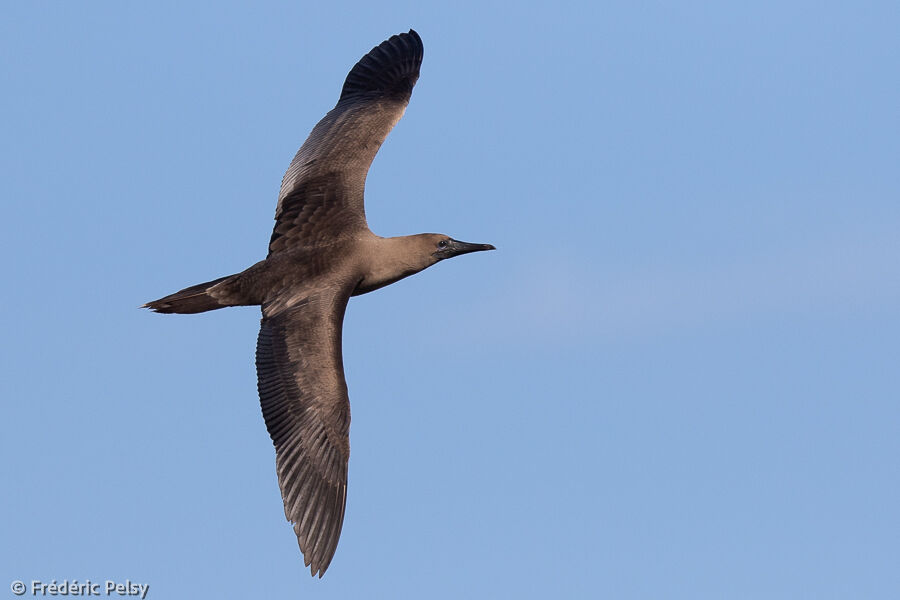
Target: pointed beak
<point x="456" y="248"/>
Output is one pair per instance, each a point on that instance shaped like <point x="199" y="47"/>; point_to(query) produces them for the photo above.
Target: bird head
<point x="444" y="246"/>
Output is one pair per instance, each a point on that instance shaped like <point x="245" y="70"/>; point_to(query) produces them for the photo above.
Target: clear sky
<point x="676" y="378"/>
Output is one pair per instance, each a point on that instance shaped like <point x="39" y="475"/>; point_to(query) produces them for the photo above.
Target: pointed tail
<point x="195" y="299"/>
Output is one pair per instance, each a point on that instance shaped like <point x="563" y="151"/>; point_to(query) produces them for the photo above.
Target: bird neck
<point x="386" y="260"/>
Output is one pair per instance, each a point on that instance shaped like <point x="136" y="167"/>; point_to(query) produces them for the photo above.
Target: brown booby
<point x="321" y="253"/>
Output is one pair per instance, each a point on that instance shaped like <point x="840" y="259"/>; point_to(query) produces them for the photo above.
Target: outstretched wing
<point x="321" y="194"/>
<point x="304" y="402"/>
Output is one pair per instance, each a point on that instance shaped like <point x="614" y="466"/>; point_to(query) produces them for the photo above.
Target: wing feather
<point x="303" y="395"/>
<point x="321" y="195"/>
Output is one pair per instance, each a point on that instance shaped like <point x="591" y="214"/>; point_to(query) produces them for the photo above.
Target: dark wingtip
<point x="315" y="569"/>
<point x="390" y="69"/>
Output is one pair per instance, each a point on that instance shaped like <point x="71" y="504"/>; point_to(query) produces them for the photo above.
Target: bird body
<point x="320" y="254"/>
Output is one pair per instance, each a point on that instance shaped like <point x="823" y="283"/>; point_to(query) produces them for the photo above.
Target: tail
<point x="195" y="299"/>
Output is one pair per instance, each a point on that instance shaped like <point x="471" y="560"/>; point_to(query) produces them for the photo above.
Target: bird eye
<point x="442" y="244"/>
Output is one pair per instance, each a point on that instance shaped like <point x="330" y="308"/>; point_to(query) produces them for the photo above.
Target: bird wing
<point x="321" y="194"/>
<point x="307" y="412"/>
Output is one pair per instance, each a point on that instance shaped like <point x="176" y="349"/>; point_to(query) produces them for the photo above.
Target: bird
<point x="320" y="254"/>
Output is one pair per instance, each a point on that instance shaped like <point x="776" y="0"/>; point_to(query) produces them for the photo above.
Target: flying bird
<point x="320" y="254"/>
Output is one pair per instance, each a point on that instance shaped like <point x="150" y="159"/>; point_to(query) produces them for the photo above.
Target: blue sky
<point x="676" y="378"/>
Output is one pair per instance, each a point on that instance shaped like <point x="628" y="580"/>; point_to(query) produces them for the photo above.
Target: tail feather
<point x="194" y="299"/>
